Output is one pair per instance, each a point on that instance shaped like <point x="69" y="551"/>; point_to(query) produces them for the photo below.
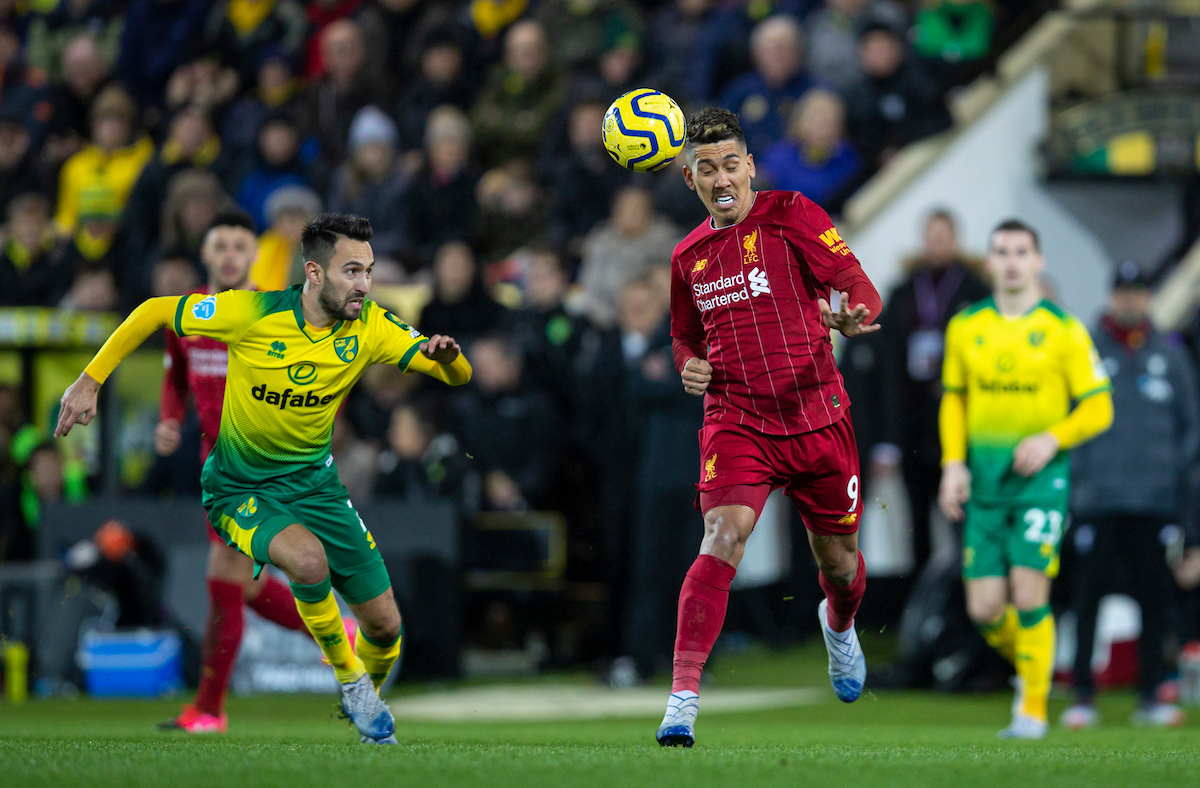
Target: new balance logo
<point x="758" y="282"/>
<point x="699" y="266"/>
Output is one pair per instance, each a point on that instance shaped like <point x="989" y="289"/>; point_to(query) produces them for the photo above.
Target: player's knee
<point x="725" y="532"/>
<point x="985" y="611"/>
<point x="309" y="566"/>
<point x="383" y="630"/>
<point x="839" y="569"/>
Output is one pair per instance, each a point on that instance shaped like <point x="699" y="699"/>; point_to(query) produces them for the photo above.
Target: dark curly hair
<point x="322" y="233"/>
<point x="709" y="125"/>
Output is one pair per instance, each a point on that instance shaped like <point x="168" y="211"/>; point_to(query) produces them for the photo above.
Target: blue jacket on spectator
<point x="762" y="109"/>
<point x="789" y="169"/>
<point x="257" y="187"/>
<point x="160" y="36"/>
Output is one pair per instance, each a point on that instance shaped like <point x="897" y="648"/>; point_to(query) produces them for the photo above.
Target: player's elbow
<point x="1104" y="412"/>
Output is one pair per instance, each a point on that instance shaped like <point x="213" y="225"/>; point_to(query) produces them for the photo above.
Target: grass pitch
<point x="885" y="739"/>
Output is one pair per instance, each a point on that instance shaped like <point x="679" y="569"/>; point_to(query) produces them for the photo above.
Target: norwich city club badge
<point x="346" y="348"/>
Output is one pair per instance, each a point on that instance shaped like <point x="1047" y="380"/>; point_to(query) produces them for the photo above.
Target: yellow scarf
<point x="247" y="15"/>
<point x="205" y="156"/>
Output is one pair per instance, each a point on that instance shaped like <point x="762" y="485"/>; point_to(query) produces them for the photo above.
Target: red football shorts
<point x="818" y="471"/>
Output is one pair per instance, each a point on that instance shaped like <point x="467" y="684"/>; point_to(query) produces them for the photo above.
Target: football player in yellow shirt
<point x="1022" y="385"/>
<point x="270" y="485"/>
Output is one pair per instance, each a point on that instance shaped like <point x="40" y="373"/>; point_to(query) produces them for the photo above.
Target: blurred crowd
<point x="468" y="132"/>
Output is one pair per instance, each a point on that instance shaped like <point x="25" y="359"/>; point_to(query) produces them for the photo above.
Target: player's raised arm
<point x="440" y="357"/>
<point x="224" y="317"/>
<point x="78" y="405"/>
<point x="835" y="266"/>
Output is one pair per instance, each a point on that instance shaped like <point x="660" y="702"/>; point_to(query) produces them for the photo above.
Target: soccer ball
<point x="644" y="130"/>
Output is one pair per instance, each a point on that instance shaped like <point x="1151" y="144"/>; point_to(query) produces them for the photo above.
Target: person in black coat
<point x="34" y="269"/>
<point x="939" y="282"/>
<point x="19" y="169"/>
<point x="461" y="306"/>
<point x="508" y="428"/>
<point x="895" y="102"/>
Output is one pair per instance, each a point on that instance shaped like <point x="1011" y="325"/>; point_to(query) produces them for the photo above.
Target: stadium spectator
<point x="191" y="143"/>
<point x="356" y="459"/>
<point x="289" y="209"/>
<point x="547" y="333"/>
<point x="492" y="17"/>
<point x="816" y="158"/>
<point x="86" y="70"/>
<point x="159" y="37"/>
<point x="276" y="90"/>
<point x="937" y="283"/>
<point x="442" y="203"/>
<point x="583" y="180"/>
<point x="278" y="165"/>
<point x="833" y="32"/>
<point x="51" y="34"/>
<point x="203" y="82"/>
<point x="671" y="51"/>
<point x="461" y="305"/>
<point x="93" y="290"/>
<point x="763" y="98"/>
<point x="419" y="464"/>
<point x="22" y="88"/>
<point x="173" y="275"/>
<point x="34" y="270"/>
<point x="512" y="211"/>
<point x="580" y="31"/>
<point x="20" y="171"/>
<point x="194" y="198"/>
<point x="618" y="251"/>
<point x="723" y="47"/>
<point x="397" y="32"/>
<point x="372" y="183"/>
<point x="241" y="31"/>
<point x="664" y="530"/>
<point x="951" y="34"/>
<point x="508" y="427"/>
<point x="343" y="89"/>
<point x="1128" y="486"/>
<point x="895" y="102"/>
<point x="441" y="80"/>
<point x="98" y="179"/>
<point x="323" y="14"/>
<point x="520" y="98"/>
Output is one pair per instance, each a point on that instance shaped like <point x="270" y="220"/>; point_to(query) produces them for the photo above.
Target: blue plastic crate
<point x="142" y="664"/>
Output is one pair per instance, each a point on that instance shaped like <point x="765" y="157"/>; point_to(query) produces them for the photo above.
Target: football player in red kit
<point x="197" y="365"/>
<point x="750" y="320"/>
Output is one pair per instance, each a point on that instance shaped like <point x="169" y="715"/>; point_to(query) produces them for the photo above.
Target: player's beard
<point x="334" y="307"/>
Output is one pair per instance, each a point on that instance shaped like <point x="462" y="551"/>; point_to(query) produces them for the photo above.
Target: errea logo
<point x="205" y="308"/>
<point x="277" y="349"/>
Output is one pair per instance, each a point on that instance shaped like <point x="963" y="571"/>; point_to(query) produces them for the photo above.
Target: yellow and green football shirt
<point x="285" y="382"/>
<point x="1020" y="376"/>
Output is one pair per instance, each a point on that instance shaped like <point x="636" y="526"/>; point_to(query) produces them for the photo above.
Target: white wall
<point x="991" y="173"/>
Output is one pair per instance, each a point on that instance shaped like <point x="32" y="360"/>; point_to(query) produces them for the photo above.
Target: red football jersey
<point x="197" y="365"/>
<point x="745" y="298"/>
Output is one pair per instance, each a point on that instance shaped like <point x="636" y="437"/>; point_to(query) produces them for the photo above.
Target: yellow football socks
<point x="320" y="612"/>
<point x="1001" y="634"/>
<point x="377" y="657"/>
<point x="1035" y="658"/>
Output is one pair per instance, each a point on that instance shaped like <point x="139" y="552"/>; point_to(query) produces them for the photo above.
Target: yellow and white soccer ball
<point x="644" y="130"/>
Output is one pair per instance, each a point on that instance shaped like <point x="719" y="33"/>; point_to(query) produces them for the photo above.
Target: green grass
<point x="885" y="739"/>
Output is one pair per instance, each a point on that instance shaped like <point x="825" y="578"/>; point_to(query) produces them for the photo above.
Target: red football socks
<point x="702" y="603"/>
<point x="275" y="603"/>
<point x="844" y="600"/>
<point x="222" y="636"/>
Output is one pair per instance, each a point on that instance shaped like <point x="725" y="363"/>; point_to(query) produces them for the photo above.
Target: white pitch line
<point x="577" y="701"/>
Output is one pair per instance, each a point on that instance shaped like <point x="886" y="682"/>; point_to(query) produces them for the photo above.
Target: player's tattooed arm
<point x="696" y="376"/>
<point x="851" y="322"/>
